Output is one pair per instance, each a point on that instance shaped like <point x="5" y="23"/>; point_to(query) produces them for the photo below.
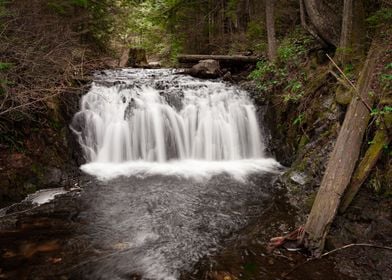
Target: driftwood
<point x="342" y="161"/>
<point x="226" y="59"/>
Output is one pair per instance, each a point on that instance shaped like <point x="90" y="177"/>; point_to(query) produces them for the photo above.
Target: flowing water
<point x="178" y="166"/>
<point x="181" y="164"/>
<point x="155" y="116"/>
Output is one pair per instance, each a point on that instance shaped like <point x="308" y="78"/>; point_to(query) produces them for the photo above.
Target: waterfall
<point x="156" y="116"/>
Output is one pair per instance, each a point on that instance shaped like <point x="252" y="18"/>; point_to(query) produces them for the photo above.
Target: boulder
<point x="227" y="77"/>
<point x="206" y="69"/>
<point x="343" y="96"/>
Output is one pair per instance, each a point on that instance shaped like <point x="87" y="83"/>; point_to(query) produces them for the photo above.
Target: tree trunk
<point x="342" y="161"/>
<point x="302" y="13"/>
<point x="353" y="34"/>
<point x="269" y="10"/>
<point x="326" y="21"/>
<point x="347" y="25"/>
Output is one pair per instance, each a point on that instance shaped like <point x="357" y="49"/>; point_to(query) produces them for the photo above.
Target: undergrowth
<point x="278" y="75"/>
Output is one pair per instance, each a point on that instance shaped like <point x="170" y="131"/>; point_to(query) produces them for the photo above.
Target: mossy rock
<point x="343" y="96"/>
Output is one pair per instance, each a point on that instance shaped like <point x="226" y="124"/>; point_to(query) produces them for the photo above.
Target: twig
<point x="28" y="104"/>
<point x="356" y="245"/>
<point x="350" y="83"/>
<point x="284" y="275"/>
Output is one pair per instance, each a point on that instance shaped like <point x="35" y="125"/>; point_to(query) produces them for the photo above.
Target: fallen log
<point x="226" y="59"/>
<point x="342" y="160"/>
<point x="380" y="140"/>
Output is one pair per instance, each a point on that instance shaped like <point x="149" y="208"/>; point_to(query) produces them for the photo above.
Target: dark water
<point x="156" y="227"/>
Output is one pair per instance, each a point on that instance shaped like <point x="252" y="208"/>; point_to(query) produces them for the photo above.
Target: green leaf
<point x="298" y="120"/>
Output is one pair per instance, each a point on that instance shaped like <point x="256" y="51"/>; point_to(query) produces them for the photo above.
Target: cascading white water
<point x="185" y="162"/>
<point x="156" y="116"/>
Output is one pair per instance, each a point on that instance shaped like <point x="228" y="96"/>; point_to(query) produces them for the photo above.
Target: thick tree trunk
<point x="326" y="21"/>
<point x="309" y="27"/>
<point x="342" y="161"/>
<point x="269" y="10"/>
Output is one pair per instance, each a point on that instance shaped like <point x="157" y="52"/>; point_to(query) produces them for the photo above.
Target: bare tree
<point x="347" y="24"/>
<point x="269" y="10"/>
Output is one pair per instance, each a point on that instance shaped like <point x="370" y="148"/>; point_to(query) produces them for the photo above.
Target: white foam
<point x="44" y="196"/>
<point x="214" y="121"/>
<point x="189" y="169"/>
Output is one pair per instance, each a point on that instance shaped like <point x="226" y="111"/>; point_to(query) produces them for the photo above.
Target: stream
<point x="175" y="168"/>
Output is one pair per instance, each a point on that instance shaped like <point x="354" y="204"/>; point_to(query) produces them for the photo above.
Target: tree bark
<point x="353" y="33"/>
<point x="347" y="26"/>
<point x="302" y="13"/>
<point x="269" y="10"/>
<point x="342" y="161"/>
<point x="363" y="170"/>
<point x="325" y="21"/>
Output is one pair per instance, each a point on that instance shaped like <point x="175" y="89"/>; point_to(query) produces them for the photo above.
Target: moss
<point x="309" y="201"/>
<point x="343" y="96"/>
<point x="301" y="166"/>
<point x="318" y="79"/>
<point x="303" y="141"/>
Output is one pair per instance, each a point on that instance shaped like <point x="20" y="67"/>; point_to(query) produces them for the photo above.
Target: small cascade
<point x="156" y="116"/>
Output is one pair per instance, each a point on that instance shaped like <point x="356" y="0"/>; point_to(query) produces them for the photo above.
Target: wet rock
<point x="299" y="178"/>
<point x="227" y="76"/>
<point x="154" y="64"/>
<point x="52" y="176"/>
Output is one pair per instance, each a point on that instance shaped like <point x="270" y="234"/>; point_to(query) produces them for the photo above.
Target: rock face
<point x="206" y="69"/>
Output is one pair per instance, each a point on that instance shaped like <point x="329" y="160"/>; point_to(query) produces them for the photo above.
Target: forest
<point x="195" y="139"/>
